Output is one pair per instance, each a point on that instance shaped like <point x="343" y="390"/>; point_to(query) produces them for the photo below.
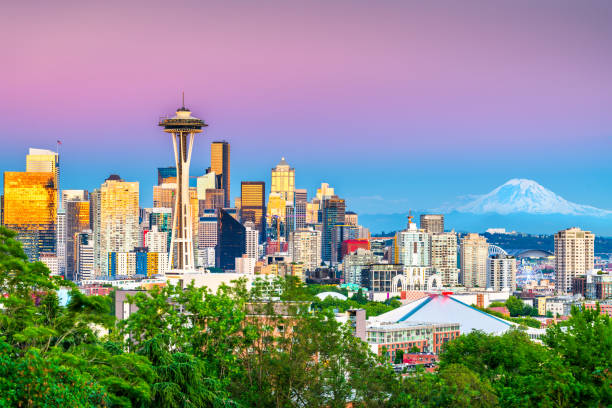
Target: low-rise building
<point x="605" y="307"/>
<point x="386" y="338"/>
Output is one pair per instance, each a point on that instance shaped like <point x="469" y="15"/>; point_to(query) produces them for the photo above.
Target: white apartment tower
<point x="411" y="247"/>
<point x="157" y="241"/>
<point x="252" y="240"/>
<point x="474" y="255"/>
<point x="501" y="273"/>
<point x="574" y="255"/>
<point x="444" y="257"/>
<point x="305" y="247"/>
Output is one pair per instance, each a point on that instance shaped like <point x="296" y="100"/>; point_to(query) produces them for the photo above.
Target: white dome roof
<point x="335" y="295"/>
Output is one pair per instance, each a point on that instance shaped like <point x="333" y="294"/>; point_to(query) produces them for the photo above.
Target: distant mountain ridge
<point x="519" y="204"/>
<point x="526" y="196"/>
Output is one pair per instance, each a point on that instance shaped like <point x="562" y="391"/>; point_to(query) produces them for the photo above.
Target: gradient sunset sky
<point x="396" y="104"/>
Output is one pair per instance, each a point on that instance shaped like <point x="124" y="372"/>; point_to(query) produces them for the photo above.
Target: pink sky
<point x="339" y="88"/>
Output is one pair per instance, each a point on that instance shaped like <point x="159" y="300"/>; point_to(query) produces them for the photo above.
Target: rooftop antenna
<point x="410" y="217"/>
<point x="183" y="99"/>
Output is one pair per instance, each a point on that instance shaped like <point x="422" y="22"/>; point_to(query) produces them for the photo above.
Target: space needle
<point x="182" y="127"/>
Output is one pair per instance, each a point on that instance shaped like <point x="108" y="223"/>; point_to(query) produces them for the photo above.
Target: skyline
<point x="457" y="102"/>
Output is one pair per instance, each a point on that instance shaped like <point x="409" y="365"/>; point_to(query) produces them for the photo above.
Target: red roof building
<point x="351" y="245"/>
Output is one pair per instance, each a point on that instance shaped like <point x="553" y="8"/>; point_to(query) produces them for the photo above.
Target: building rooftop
<point x="390" y="326"/>
<point x="442" y="309"/>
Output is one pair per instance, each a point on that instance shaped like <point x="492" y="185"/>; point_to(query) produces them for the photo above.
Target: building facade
<point x="574" y="256"/>
<point x="501" y="273"/>
<point x="354" y="264"/>
<point x="332" y="213"/>
<point x="253" y="205"/>
<point x="432" y="223"/>
<point x="412" y="247"/>
<point x="77" y="220"/>
<point x="116" y="222"/>
<point x="220" y="165"/>
<point x="474" y="255"/>
<point x="30" y="208"/>
<point x="444" y="257"/>
<point x="305" y="248"/>
<point x="231" y="241"/>
<point x="379" y="277"/>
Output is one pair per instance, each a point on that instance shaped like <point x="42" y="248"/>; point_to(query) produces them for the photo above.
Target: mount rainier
<point x="526" y="196"/>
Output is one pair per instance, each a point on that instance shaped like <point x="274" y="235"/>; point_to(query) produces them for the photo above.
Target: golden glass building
<point x="253" y="205"/>
<point x="115" y="220"/>
<point x="283" y="180"/>
<point x="30" y="208"/>
<point x="163" y="195"/>
<point x="43" y="161"/>
<point x="220" y="164"/>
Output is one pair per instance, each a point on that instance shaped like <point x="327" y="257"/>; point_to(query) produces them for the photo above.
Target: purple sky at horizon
<point x="394" y="103"/>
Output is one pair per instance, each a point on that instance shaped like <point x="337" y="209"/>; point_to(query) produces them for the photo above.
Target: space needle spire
<point x="182" y="128"/>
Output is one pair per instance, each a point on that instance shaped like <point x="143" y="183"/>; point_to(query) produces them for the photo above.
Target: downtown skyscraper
<point x="30" y="203"/>
<point x="253" y="205"/>
<point x="220" y="164"/>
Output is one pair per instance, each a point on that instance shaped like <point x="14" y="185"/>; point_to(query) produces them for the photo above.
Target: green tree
<point x="584" y="346"/>
<point x="399" y="356"/>
<point x="515" y="306"/>
<point x="516" y="367"/>
<point x="27" y="379"/>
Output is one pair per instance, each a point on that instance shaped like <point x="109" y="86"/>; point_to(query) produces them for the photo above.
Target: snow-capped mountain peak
<point x="527" y="196"/>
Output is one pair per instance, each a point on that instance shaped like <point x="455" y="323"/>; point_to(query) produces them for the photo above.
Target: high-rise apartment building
<point x="501" y="273"/>
<point x="30" y="208"/>
<point x="51" y="262"/>
<point x="432" y="223"/>
<point x="251" y="240"/>
<point x="156" y="240"/>
<point x="253" y="205"/>
<point x="116" y="227"/>
<point x="84" y="255"/>
<point x="333" y="210"/>
<point x="283" y="180"/>
<point x="300" y="202"/>
<point x="305" y="248"/>
<point x="412" y="247"/>
<point x="574" y="255"/>
<point x="444" y="257"/>
<point x="220" y="164"/>
<point x="60" y="241"/>
<point x="474" y="255"/>
<point x="231" y="241"/>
